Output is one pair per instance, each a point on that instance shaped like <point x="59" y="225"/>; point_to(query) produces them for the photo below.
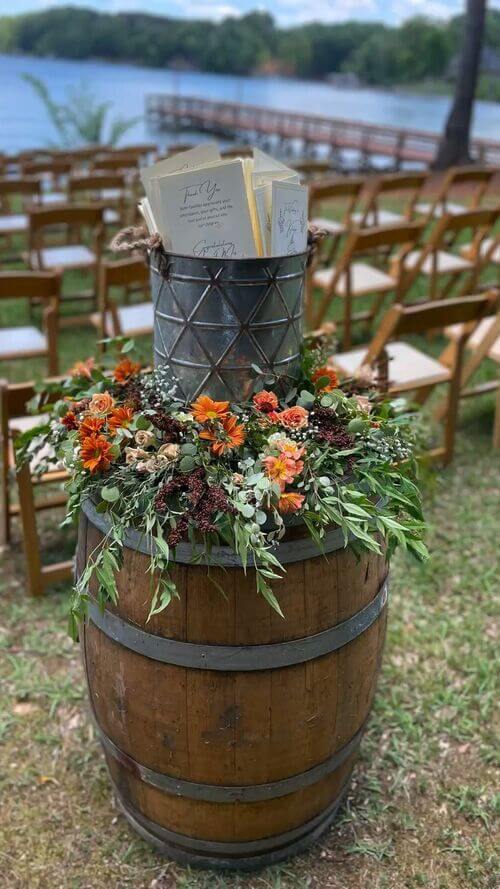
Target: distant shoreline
<point x="418" y="88"/>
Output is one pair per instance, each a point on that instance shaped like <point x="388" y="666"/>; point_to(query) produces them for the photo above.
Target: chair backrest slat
<point x="29" y="285"/>
<point x="420" y="318"/>
<point x="365" y="240"/>
<point x="124" y="272"/>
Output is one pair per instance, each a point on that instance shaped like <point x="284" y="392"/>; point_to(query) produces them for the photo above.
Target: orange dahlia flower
<point x="294" y="417"/>
<point x="70" y="420"/>
<point x="101" y="403"/>
<point x="95" y="453"/>
<point x="205" y="409"/>
<point x="119" y="418"/>
<point x="125" y="369"/>
<point x="90" y="426"/>
<point x="265" y="401"/>
<point x="230" y="435"/>
<point x="290" y="502"/>
<point x="322" y="373"/>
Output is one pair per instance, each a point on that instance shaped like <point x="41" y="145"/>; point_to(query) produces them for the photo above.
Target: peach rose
<point x="294" y="417"/>
<point x="101" y="403"/>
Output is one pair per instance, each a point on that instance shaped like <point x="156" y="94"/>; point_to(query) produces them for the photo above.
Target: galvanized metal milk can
<point x="215" y="318"/>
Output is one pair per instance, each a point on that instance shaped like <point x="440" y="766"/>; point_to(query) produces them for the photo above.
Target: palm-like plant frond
<point x="82" y="118"/>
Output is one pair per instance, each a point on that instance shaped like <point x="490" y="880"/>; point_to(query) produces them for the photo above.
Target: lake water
<point x="24" y="123"/>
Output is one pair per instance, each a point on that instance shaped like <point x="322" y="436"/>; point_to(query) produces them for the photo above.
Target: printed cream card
<point x="205" y="212"/>
<point x="263" y="202"/>
<point x="289" y="218"/>
<point x="200" y="154"/>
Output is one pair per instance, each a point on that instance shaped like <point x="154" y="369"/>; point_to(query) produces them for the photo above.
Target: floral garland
<point x="211" y="472"/>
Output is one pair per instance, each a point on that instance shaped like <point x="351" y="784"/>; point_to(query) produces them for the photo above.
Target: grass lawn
<point x="421" y="810"/>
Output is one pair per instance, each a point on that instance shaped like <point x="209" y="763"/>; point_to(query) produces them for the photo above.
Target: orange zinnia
<point x="205" y="409"/>
<point x="90" y="426"/>
<point x="230" y="435"/>
<point x="119" y="418"/>
<point x="95" y="453"/>
<point x="290" y="502"/>
<point x="265" y="401"/>
<point x="125" y="369"/>
<point x="323" y="373"/>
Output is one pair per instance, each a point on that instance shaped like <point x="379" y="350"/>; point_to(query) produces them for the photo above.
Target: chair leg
<point x="31" y="540"/>
<point x="4" y="469"/>
<point x="347" y="338"/>
<point x="453" y="403"/>
<point x="496" y="422"/>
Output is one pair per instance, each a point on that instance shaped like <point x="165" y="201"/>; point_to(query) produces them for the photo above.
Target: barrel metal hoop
<point x="286" y="552"/>
<point x="219" y="793"/>
<point x="239" y="658"/>
<point x="251" y="854"/>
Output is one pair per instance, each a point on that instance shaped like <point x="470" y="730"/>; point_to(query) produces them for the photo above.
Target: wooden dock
<point x="306" y="133"/>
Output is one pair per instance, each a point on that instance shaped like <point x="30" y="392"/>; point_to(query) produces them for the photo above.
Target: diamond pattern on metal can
<point x="214" y="319"/>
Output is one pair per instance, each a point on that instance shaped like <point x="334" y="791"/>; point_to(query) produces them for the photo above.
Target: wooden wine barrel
<point x="230" y="733"/>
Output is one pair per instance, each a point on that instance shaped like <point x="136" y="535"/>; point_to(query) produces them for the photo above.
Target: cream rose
<point x="170" y="451"/>
<point x="144" y="438"/>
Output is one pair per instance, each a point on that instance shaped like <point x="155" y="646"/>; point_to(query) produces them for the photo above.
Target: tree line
<point x="418" y="49"/>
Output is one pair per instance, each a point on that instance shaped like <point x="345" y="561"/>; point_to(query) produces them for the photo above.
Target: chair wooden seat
<point x="484" y="249"/>
<point x="68" y="256"/>
<point x="18" y="341"/>
<point x="408" y="367"/>
<point x="137" y="320"/>
<point x="14" y="224"/>
<point x="110" y="216"/>
<point x="454" y="332"/>
<point x="382" y="217"/>
<point x="328" y="225"/>
<point x="447" y="263"/>
<point x="364" y="279"/>
<point x="439" y="210"/>
<point x="47" y="198"/>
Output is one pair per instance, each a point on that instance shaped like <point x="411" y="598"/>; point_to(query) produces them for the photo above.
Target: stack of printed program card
<point x="234" y="208"/>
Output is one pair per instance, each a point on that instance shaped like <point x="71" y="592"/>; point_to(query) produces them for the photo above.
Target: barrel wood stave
<point x="230" y="729"/>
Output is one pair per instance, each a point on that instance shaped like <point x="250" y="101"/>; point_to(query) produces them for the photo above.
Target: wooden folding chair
<point x="23" y="342"/>
<point x="116" y="162"/>
<point x="53" y="174"/>
<point x="312" y="169"/>
<point x="337" y="197"/>
<point x="74" y="254"/>
<point x="143" y="151"/>
<point x="405" y="186"/>
<point x="350" y="279"/>
<point x="15" y="419"/>
<point x="112" y="320"/>
<point x="475" y="180"/>
<point x="483" y="343"/>
<point x="411" y="370"/>
<point x="16" y="195"/>
<point x="38" y="575"/>
<point x="108" y="190"/>
<point x="442" y="262"/>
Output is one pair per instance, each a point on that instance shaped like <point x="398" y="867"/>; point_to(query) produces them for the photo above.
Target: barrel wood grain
<point x="230" y="729"/>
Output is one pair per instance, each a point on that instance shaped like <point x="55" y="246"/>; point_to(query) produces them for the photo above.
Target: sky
<point x="286" y="12"/>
